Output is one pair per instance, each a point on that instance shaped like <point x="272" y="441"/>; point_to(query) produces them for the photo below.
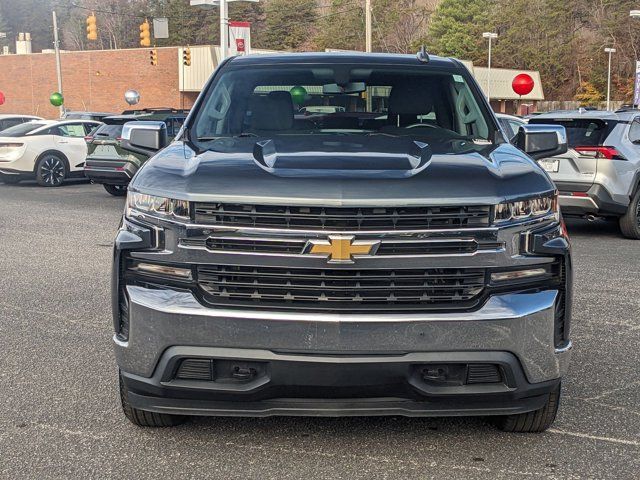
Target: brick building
<point x="93" y="80"/>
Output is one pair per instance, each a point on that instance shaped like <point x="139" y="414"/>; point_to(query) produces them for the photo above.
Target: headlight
<point x="526" y="209"/>
<point x="141" y="204"/>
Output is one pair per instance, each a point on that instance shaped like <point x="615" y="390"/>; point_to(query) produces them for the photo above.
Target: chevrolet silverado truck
<point x="393" y="255"/>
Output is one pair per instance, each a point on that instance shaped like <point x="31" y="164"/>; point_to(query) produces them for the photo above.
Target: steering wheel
<point x="421" y="125"/>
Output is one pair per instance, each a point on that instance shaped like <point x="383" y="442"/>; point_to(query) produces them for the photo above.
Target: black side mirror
<point x="541" y="141"/>
<point x="144" y="136"/>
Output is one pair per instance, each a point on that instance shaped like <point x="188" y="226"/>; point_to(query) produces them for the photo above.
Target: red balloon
<point x="2" y="98"/>
<point x="522" y="84"/>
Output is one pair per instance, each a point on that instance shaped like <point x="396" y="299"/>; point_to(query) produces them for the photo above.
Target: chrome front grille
<point x="296" y="246"/>
<point x="341" y="290"/>
<point x="341" y="218"/>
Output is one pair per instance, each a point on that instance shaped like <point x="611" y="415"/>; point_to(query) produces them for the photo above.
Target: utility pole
<point x="490" y="36"/>
<point x="609" y="51"/>
<point x="368" y="35"/>
<point x="56" y="46"/>
<point x="224" y="29"/>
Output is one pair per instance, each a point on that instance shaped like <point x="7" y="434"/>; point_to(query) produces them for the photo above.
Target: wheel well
<point x="57" y="153"/>
<point x="636" y="182"/>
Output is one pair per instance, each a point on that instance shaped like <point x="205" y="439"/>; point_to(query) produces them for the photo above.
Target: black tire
<point x="630" y="221"/>
<point x="51" y="170"/>
<point x="143" y="418"/>
<point x="531" y="422"/>
<point x="116" y="190"/>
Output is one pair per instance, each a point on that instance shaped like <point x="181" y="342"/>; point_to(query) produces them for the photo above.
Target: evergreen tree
<point x="290" y="24"/>
<point x="456" y="29"/>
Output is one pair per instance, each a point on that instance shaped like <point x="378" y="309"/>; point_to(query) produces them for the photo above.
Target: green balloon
<point x="56" y="99"/>
<point x="298" y="95"/>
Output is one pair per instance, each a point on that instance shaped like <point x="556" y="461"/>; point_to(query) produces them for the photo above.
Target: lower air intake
<point x="196" y="369"/>
<point x="483" y="373"/>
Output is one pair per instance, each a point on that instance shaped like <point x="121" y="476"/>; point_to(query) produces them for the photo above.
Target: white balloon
<point x="132" y="97"/>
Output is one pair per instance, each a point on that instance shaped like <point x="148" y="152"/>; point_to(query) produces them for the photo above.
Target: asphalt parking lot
<point x="61" y="416"/>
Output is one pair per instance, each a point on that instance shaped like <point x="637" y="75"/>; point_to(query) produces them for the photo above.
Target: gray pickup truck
<point x="393" y="255"/>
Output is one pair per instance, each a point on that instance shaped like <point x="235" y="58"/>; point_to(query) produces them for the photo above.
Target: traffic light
<point x="186" y="57"/>
<point x="92" y="28"/>
<point x="145" y="34"/>
<point x="153" y="57"/>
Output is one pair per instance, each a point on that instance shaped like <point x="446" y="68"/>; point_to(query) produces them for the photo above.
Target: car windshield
<point x="293" y="100"/>
<point x="22" y="129"/>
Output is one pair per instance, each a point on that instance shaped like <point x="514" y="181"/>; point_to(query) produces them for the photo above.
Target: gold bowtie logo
<point x="342" y="249"/>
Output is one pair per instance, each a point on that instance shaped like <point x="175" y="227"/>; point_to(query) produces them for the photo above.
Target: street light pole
<point x="636" y="14"/>
<point x="490" y="36"/>
<point x="609" y="51"/>
<point x="56" y="46"/>
<point x="368" y="34"/>
<point x="224" y="29"/>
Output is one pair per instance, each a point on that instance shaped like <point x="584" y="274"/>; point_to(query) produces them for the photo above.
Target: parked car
<point x="49" y="150"/>
<point x="599" y="176"/>
<point x="10" y="120"/>
<point x="81" y="115"/>
<point x="510" y="124"/>
<point x="112" y="161"/>
<point x="411" y="265"/>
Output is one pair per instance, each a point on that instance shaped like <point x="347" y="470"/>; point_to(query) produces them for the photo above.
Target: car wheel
<point x="630" y="221"/>
<point x="51" y="170"/>
<point x="531" y="422"/>
<point x="143" y="418"/>
<point x="116" y="190"/>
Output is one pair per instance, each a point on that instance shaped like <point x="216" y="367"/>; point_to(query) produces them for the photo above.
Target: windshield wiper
<point x="240" y="135"/>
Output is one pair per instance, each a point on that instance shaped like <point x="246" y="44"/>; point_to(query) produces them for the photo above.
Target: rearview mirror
<point x="351" y="87"/>
<point x="541" y="141"/>
<point x="144" y="136"/>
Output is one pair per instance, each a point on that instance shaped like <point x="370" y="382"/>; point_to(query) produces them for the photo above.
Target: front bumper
<point x="321" y="385"/>
<point x="328" y="364"/>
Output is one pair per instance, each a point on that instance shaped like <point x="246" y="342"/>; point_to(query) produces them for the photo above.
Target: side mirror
<point x="144" y="136"/>
<point x="541" y="141"/>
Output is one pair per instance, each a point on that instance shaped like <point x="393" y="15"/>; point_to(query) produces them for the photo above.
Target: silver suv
<point x="599" y="175"/>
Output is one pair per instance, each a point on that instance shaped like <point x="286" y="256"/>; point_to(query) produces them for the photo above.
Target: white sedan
<point x="47" y="150"/>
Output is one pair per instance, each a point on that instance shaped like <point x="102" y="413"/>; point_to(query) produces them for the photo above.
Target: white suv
<point x="47" y="150"/>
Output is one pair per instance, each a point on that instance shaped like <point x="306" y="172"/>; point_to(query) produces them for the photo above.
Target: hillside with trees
<point x="564" y="40"/>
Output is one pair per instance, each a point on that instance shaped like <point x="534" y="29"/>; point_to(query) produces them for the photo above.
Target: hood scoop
<point x="377" y="156"/>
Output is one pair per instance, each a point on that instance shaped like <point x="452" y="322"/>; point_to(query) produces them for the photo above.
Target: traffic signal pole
<point x="56" y="46"/>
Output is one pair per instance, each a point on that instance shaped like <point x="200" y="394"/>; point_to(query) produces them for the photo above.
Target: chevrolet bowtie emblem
<point x="342" y="249"/>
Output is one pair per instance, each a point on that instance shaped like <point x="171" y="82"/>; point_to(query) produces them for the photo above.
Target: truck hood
<point x="378" y="171"/>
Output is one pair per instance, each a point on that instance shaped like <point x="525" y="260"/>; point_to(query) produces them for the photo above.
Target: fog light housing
<point x="162" y="270"/>
<point x="515" y="275"/>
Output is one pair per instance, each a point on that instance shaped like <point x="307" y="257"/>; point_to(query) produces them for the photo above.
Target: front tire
<point x="116" y="190"/>
<point x="51" y="170"/>
<point x="532" y="422"/>
<point x="143" y="418"/>
<point x="630" y="221"/>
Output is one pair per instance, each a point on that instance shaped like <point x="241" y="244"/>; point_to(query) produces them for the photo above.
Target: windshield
<point x="22" y="129"/>
<point x="293" y="100"/>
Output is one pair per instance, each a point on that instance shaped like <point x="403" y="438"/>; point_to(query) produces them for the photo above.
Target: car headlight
<point x="526" y="209"/>
<point x="141" y="204"/>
